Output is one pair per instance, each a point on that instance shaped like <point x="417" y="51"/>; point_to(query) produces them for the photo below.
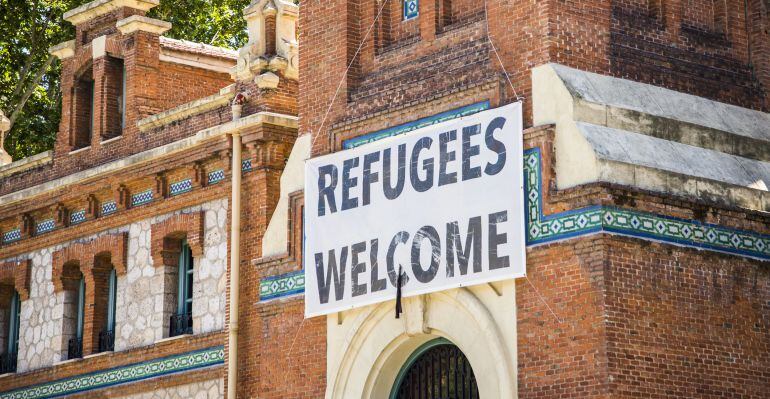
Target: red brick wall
<point x="637" y="319"/>
<point x="152" y="86"/>
<point x="648" y="41"/>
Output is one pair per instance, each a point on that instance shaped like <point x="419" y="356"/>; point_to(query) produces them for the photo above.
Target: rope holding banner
<point x="399" y="282"/>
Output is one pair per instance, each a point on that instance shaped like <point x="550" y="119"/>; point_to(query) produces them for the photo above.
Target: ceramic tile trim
<point x="121" y="375"/>
<point x="543" y="229"/>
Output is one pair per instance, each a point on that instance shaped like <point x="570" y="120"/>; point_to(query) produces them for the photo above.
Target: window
<point x="75" y="344"/>
<point x="181" y="322"/>
<point x="436" y="369"/>
<point x="82" y="111"/>
<point x="113" y="98"/>
<point x="10" y="352"/>
<point x="107" y="335"/>
<point x="122" y="105"/>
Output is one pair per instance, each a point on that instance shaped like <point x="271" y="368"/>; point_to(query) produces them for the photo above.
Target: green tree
<point x="29" y="76"/>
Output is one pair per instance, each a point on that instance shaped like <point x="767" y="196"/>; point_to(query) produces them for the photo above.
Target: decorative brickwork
<point x="17" y="274"/>
<point x="93" y="260"/>
<point x="187" y="226"/>
<point x="113" y="246"/>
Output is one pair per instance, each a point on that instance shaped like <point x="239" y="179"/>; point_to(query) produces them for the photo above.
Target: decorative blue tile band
<point x="420" y="123"/>
<point x="411" y="9"/>
<point x="121" y="375"/>
<point x="543" y="229"/>
<point x="141" y="198"/>
<point x="45" y="226"/>
<point x="11" y="236"/>
<point x="78" y="217"/>
<point x="246" y="165"/>
<point x="180" y="187"/>
<point x="281" y="286"/>
<point x="216" y="176"/>
<point x="609" y="219"/>
<point x="109" y="207"/>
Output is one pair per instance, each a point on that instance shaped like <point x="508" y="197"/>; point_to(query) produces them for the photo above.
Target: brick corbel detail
<point x="18" y="275"/>
<point x="198" y="171"/>
<point x="161" y="186"/>
<point x="122" y="197"/>
<point x="62" y="215"/>
<point x="164" y="247"/>
<point x="270" y="155"/>
<point x="227" y="164"/>
<point x="27" y="225"/>
<point x="116" y="245"/>
<point x="92" y="208"/>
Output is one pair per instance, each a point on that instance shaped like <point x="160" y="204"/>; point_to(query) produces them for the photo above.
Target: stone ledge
<point x="96" y="8"/>
<point x="26" y="163"/>
<point x="140" y="23"/>
<point x="198" y="61"/>
<point x="186" y="110"/>
<point x="620" y="131"/>
<point x="63" y="50"/>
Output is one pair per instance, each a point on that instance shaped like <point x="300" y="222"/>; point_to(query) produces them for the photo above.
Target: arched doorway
<point x="438" y="369"/>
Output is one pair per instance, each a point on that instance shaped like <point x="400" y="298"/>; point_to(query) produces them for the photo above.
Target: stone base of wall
<point x="210" y="389"/>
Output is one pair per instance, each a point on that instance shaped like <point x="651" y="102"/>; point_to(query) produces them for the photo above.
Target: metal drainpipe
<point x="235" y="259"/>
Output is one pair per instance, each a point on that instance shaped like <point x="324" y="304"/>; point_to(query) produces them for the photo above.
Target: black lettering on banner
<point x="454" y="247"/>
<point x="495" y="145"/>
<point x="445" y="157"/>
<point x="378" y="284"/>
<point x="392" y="192"/>
<point x="369" y="176"/>
<point x="470" y="151"/>
<point x="421" y="185"/>
<point x="400" y="238"/>
<point x="429" y="232"/>
<point x="325" y="281"/>
<point x="495" y="240"/>
<point x="348" y="183"/>
<point x="357" y="268"/>
<point x="326" y="191"/>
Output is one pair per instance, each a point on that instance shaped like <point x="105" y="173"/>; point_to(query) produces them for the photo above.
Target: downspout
<point x="235" y="252"/>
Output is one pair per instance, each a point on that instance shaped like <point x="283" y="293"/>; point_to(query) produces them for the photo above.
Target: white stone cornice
<point x="198" y="139"/>
<point x="96" y="8"/>
<point x="137" y="22"/>
<point x="186" y="110"/>
<point x="63" y="50"/>
<point x="26" y="163"/>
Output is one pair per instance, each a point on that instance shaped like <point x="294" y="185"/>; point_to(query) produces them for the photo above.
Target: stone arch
<point x="377" y="344"/>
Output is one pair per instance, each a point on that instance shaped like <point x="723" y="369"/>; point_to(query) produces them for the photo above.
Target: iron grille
<point x="75" y="348"/>
<point x="442" y="372"/>
<point x="181" y="324"/>
<point x="106" y="341"/>
<point x="8" y="362"/>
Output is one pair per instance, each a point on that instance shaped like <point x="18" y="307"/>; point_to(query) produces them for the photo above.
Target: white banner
<point x="444" y="204"/>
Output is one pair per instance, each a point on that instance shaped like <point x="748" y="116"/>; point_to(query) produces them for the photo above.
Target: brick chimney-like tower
<point x="101" y="98"/>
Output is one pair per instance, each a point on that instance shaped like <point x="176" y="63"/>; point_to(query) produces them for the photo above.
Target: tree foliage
<point x="29" y="76"/>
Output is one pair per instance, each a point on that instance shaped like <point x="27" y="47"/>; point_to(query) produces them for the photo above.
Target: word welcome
<point x="440" y="207"/>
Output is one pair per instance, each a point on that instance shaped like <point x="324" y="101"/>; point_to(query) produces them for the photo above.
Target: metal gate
<point x="438" y="370"/>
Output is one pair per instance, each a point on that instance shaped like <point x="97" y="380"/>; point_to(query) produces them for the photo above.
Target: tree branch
<point x="31" y="88"/>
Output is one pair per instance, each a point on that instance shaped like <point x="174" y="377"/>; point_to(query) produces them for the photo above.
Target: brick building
<point x="647" y="166"/>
